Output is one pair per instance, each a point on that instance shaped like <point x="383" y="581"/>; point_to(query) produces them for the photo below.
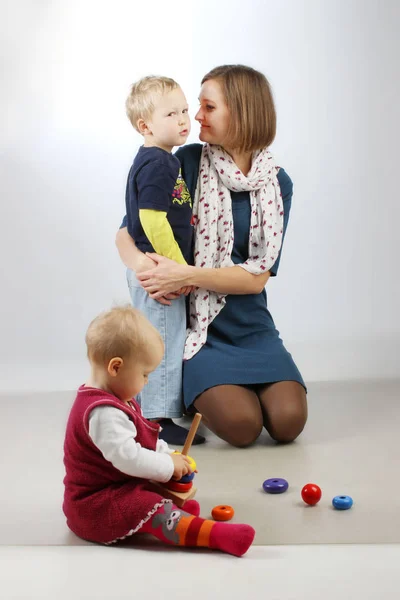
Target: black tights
<point x="237" y="414"/>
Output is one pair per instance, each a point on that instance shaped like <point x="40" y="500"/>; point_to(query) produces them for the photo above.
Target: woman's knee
<point x="286" y="427"/>
<point x="242" y="431"/>
<point x="232" y="413"/>
<point x="286" y="418"/>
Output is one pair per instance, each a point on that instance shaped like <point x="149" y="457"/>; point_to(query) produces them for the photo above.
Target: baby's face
<point x="170" y="121"/>
<point x="134" y="374"/>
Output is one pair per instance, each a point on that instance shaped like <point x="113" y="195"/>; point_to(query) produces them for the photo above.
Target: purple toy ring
<point x="275" y="486"/>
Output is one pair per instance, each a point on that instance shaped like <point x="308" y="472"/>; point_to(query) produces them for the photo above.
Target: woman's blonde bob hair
<point x="251" y="106"/>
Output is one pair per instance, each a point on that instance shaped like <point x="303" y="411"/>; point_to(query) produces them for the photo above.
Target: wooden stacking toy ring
<point x="222" y="512"/>
<point x="342" y="502"/>
<point x="311" y="494"/>
<point x="187" y="478"/>
<point x="191" y="461"/>
<point x="176" y="486"/>
<point x="275" y="486"/>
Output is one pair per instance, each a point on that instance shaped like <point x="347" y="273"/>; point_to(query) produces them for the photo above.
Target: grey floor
<point x="350" y="446"/>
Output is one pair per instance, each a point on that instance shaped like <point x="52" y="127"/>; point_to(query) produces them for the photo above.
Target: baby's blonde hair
<point x="141" y="100"/>
<point x="122" y="331"/>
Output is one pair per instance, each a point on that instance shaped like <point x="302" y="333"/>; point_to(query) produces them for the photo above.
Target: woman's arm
<point x="168" y="276"/>
<point x="131" y="257"/>
<point x="229" y="280"/>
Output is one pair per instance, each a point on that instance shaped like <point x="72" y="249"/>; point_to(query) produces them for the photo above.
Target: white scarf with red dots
<point x="213" y="224"/>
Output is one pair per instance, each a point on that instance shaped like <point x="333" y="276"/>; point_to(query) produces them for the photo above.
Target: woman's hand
<point x="144" y="263"/>
<point x="168" y="276"/>
<point x="186" y="290"/>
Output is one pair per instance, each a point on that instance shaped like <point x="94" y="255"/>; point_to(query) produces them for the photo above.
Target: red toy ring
<point x="175" y="486"/>
<point x="222" y="512"/>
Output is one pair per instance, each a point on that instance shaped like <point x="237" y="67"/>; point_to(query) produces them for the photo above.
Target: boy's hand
<point x="181" y="466"/>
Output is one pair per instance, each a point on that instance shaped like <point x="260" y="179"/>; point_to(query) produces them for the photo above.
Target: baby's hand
<point x="181" y="466"/>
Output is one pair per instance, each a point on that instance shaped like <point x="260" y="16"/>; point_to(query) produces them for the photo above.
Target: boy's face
<point x="169" y="125"/>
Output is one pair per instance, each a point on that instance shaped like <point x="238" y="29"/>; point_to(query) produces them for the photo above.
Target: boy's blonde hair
<point x="141" y="100"/>
<point x="122" y="331"/>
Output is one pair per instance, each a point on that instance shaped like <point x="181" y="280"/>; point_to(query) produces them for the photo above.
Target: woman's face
<point x="213" y="114"/>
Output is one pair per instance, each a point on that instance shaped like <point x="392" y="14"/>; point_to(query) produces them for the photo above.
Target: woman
<point x="237" y="373"/>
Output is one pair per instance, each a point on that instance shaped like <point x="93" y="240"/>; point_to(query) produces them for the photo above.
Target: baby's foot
<point x="192" y="507"/>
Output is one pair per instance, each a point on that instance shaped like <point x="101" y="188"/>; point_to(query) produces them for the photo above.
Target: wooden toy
<point x="311" y="494"/>
<point x="342" y="502"/>
<point x="223" y="512"/>
<point x="275" y="486"/>
<point x="187" y="478"/>
<point x="180" y="497"/>
<point x="178" y="486"/>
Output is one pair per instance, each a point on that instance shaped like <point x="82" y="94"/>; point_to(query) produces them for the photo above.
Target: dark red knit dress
<point x="101" y="503"/>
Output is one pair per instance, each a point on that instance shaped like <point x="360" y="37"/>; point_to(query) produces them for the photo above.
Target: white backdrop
<point x="66" y="147"/>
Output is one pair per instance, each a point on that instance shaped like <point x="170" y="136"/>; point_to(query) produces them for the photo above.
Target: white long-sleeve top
<point x="114" y="434"/>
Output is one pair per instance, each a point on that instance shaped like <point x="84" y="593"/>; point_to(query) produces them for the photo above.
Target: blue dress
<point x="243" y="346"/>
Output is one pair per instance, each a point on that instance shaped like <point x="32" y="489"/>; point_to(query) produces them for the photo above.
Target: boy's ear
<point x="142" y="126"/>
<point x="114" y="366"/>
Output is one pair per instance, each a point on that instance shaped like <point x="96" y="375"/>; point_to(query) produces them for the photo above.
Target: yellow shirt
<point x="159" y="233"/>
